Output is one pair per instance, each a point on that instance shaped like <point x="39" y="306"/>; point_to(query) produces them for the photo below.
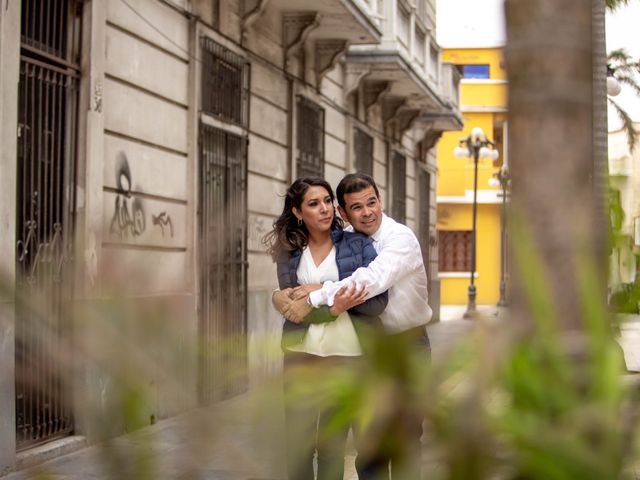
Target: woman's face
<point x="316" y="210"/>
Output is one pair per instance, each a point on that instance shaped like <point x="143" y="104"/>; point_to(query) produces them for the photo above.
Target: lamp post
<point x="501" y="179"/>
<point x="474" y="146"/>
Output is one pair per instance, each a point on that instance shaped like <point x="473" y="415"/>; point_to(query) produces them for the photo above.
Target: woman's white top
<point x="332" y="338"/>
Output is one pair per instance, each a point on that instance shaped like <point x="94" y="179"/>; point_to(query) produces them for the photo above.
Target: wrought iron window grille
<point x="363" y="146"/>
<point x="454" y="250"/>
<point x="225" y="83"/>
<point x="310" y="138"/>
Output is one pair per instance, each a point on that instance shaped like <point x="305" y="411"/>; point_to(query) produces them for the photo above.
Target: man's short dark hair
<point x="354" y="183"/>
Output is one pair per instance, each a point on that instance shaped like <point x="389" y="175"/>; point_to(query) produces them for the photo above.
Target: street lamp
<point x="501" y="179"/>
<point x="613" y="85"/>
<point x="474" y="146"/>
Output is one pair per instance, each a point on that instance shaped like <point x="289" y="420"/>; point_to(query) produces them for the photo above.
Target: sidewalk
<point x="239" y="439"/>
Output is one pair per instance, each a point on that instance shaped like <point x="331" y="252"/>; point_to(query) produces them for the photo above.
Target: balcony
<point x="449" y="118"/>
<point x="404" y="73"/>
<point x="318" y="30"/>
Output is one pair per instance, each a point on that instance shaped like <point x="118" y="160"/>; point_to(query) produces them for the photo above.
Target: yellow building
<point x="483" y="103"/>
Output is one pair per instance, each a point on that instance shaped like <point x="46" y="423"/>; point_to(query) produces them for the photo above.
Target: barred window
<point x="454" y="250"/>
<point x="225" y="83"/>
<point x="399" y="179"/>
<point x="310" y="138"/>
<point x="424" y="213"/>
<point x="52" y="29"/>
<point x="363" y="144"/>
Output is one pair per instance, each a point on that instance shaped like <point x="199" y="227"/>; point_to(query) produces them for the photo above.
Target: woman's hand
<point x="280" y="298"/>
<point x="347" y="297"/>
<point x="304" y="290"/>
<point x="295" y="310"/>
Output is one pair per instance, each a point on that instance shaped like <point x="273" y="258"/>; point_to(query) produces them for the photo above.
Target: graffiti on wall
<point x="258" y="228"/>
<point x="128" y="214"/>
<point x="129" y="218"/>
<point x="163" y="220"/>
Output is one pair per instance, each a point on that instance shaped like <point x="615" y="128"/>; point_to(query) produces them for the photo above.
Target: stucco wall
<point x="143" y="299"/>
<point x="137" y="258"/>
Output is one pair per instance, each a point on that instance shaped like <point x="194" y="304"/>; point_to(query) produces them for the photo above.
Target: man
<point x="399" y="269"/>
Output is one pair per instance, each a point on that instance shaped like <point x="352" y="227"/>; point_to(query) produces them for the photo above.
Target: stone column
<point x="9" y="77"/>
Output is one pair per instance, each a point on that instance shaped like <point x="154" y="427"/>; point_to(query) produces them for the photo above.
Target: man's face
<point x="363" y="210"/>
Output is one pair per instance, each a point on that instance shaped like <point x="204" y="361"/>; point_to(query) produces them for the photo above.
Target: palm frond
<point x="630" y="68"/>
<point x="618" y="55"/>
<point x="613" y="5"/>
<point x="627" y="124"/>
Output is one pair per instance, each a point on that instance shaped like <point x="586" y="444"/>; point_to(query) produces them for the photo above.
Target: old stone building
<point x="145" y="148"/>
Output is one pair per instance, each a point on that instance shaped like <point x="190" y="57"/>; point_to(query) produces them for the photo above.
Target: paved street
<point x="240" y="439"/>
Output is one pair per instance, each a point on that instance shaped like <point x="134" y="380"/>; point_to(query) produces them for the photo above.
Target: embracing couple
<point x="349" y="296"/>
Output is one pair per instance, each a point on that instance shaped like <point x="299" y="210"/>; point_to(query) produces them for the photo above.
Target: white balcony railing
<point x="373" y="9"/>
<point x="403" y="25"/>
<point x="450" y="84"/>
<point x="434" y="63"/>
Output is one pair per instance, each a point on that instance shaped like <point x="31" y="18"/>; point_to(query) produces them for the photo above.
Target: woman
<point x="311" y="247"/>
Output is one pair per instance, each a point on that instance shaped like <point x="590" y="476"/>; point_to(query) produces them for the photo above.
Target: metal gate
<point x="47" y="113"/>
<point x="223" y="264"/>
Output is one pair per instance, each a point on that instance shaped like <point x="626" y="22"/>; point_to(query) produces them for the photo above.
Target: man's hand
<point x="296" y="310"/>
<point x="304" y="290"/>
<point x="280" y="298"/>
<point x="347" y="297"/>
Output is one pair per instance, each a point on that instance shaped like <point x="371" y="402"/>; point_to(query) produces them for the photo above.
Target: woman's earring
<point x="299" y="222"/>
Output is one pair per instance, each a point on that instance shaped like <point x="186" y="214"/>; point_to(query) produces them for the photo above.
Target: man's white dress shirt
<point x="399" y="269"/>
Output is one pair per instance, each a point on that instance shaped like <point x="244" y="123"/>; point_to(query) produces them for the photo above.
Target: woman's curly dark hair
<point x="287" y="235"/>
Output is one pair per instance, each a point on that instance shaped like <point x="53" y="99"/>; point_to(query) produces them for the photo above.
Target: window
<point x="454" y="250"/>
<point x="225" y="83"/>
<point x="363" y="145"/>
<point x="475" y="71"/>
<point x="310" y="138"/>
<point x="399" y="178"/>
<point x="424" y="214"/>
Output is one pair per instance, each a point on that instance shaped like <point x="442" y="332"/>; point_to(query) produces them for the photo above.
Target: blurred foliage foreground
<point x="497" y="404"/>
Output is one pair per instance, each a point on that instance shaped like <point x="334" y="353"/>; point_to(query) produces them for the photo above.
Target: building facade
<point x="146" y="148"/>
<point x="483" y="104"/>
<point x="624" y="183"/>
